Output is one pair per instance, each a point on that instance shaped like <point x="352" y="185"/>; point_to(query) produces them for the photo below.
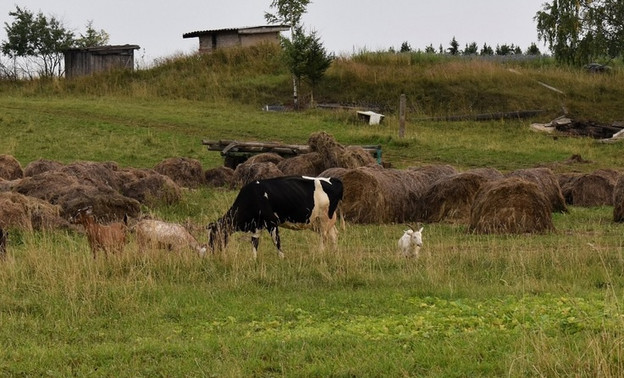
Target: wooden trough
<point x="237" y="152"/>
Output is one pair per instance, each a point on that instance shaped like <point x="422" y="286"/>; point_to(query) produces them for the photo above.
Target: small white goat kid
<point x="410" y="242"/>
<point x="171" y="236"/>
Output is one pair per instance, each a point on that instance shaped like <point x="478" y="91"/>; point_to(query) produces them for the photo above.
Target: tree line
<point x="473" y="49"/>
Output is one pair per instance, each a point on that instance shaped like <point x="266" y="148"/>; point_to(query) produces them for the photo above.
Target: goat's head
<point x="81" y="215"/>
<point x="415" y="235"/>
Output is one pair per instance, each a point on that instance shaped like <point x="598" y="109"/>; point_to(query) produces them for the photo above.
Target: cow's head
<point x="217" y="236"/>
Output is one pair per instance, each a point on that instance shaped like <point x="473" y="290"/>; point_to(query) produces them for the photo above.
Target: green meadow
<point x="471" y="305"/>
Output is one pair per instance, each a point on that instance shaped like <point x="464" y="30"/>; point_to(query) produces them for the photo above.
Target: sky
<point x="344" y="26"/>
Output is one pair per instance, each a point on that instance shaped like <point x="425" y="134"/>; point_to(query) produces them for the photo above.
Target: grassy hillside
<point x="472" y="305"/>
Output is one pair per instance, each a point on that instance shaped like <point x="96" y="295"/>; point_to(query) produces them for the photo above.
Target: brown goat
<point x="109" y="238"/>
<point x="3" y="239"/>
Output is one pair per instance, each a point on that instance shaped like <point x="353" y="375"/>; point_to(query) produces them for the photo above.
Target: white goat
<point x="411" y="242"/>
<point x="171" y="236"/>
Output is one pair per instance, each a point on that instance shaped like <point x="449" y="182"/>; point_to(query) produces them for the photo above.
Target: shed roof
<point x="243" y="30"/>
<point x="105" y="49"/>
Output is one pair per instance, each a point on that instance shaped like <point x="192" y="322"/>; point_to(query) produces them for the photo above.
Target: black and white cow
<point x="292" y="201"/>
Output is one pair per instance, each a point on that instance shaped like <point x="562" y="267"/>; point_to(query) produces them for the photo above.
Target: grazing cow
<point x="293" y="201"/>
<point x="109" y="238"/>
<point x="410" y="242"/>
<point x="3" y="239"/>
<point x="171" y="236"/>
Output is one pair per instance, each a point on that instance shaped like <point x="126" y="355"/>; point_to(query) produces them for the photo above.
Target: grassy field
<point x="472" y="305"/>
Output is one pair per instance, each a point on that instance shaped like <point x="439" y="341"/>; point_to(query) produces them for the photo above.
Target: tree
<point x="92" y="37"/>
<point x="471" y="49"/>
<point x="39" y="38"/>
<point x="533" y="50"/>
<point x="405" y="47"/>
<point x="579" y="31"/>
<point x="454" y="49"/>
<point x="429" y="49"/>
<point x="486" y="50"/>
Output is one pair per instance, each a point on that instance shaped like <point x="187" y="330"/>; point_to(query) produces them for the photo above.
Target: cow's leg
<point x="274" y="231"/>
<point x="255" y="241"/>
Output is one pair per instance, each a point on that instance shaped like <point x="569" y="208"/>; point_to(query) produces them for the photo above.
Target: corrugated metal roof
<point x="243" y="30"/>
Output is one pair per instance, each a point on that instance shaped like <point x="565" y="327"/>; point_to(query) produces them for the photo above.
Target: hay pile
<point x="183" y="171"/>
<point x="220" y="177"/>
<point x="589" y="189"/>
<point x="334" y="154"/>
<point x="548" y="183"/>
<point x="28" y="213"/>
<point x="258" y="167"/>
<point x="10" y="168"/>
<point x="42" y="165"/>
<point x="510" y="206"/>
<point x="310" y="164"/>
<point x="450" y="198"/>
<point x="373" y="194"/>
<point x="149" y="187"/>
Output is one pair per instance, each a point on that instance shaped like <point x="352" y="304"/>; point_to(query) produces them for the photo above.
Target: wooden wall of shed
<point x="79" y="63"/>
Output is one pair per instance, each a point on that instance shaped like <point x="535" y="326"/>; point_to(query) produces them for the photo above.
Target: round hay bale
<point x="618" y="200"/>
<point x="310" y="164"/>
<point x="220" y="177"/>
<point x="98" y="174"/>
<point x="10" y="168"/>
<point x="334" y="154"/>
<point x="28" y="213"/>
<point x="373" y="194"/>
<point x="151" y="188"/>
<point x="183" y="171"/>
<point x="249" y="171"/>
<point x="434" y="171"/>
<point x="510" y="206"/>
<point x="450" y="198"/>
<point x="42" y="165"/>
<point x="547" y="181"/>
<point x="48" y="186"/>
<point x="334" y="172"/>
<point x="8" y="185"/>
<point x="590" y="189"/>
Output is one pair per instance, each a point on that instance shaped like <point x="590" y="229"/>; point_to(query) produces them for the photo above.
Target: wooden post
<point x="402" y="116"/>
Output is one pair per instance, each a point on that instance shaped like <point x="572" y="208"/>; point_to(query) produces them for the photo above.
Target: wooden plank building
<point x="89" y="60"/>
<point x="210" y="40"/>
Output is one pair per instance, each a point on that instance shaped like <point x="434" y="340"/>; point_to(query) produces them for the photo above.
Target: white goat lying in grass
<point x="410" y="242"/>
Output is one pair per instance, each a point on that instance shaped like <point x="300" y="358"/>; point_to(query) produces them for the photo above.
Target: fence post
<point x="402" y="116"/>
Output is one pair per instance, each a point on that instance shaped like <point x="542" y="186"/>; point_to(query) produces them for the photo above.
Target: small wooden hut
<point x="89" y="60"/>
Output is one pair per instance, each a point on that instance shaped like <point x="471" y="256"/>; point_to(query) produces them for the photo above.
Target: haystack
<point x="250" y="171"/>
<point x="47" y="186"/>
<point x="510" y="206"/>
<point x="98" y="174"/>
<point x="220" y="177"/>
<point x="265" y="157"/>
<point x="336" y="155"/>
<point x="183" y="171"/>
<point x="590" y="189"/>
<point x="10" y="168"/>
<point x="487" y="172"/>
<point x="618" y="200"/>
<point x="548" y="183"/>
<point x="373" y="194"/>
<point x="450" y="198"/>
<point x="42" y="165"/>
<point x="334" y="172"/>
<point x="149" y="187"/>
<point x="310" y="164"/>
<point x="28" y="213"/>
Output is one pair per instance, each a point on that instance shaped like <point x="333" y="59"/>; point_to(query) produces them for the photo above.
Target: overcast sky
<point x="345" y="26"/>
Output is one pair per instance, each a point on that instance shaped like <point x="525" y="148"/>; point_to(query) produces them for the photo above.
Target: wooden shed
<point x="89" y="60"/>
<point x="210" y="40"/>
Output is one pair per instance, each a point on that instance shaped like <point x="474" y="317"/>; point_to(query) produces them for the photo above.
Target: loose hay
<point x="591" y="189"/>
<point x="183" y="171"/>
<point x="28" y="213"/>
<point x="547" y="182"/>
<point x="10" y="168"/>
<point x="510" y="206"/>
<point x="101" y="175"/>
<point x="450" y="198"/>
